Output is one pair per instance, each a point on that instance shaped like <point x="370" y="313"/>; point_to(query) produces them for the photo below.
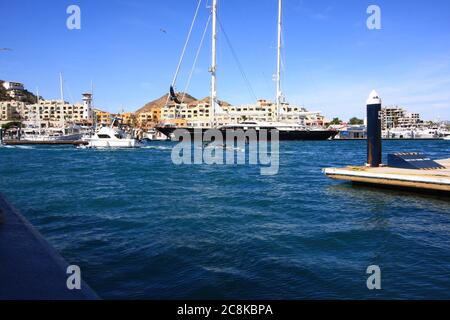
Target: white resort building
<point x="197" y="113"/>
<point x="397" y="117"/>
<point x="50" y="112"/>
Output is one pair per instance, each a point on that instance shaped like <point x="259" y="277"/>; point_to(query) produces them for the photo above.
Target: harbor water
<point x="141" y="227"/>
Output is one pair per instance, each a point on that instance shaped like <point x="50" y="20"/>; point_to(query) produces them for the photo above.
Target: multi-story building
<point x="14" y="89"/>
<point x="10" y="111"/>
<point x="397" y="117"/>
<point x="197" y="113"/>
<point x="11" y="85"/>
<point x="52" y="112"/>
<point x="56" y="111"/>
<point x="410" y="120"/>
<point x="148" y="119"/>
<point x="128" y="118"/>
<point x="145" y="119"/>
<point x="102" y="117"/>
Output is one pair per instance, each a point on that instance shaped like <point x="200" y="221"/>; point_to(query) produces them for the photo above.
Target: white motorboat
<point x="154" y="135"/>
<point x="427" y="133"/>
<point x="112" y="137"/>
<point x="399" y="133"/>
<point x="444" y="132"/>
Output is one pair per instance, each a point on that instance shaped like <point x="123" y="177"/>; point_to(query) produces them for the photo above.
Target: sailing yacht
<point x="64" y="132"/>
<point x="287" y="130"/>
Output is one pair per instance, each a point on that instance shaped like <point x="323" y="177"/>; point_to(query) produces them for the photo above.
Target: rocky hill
<point x="159" y="103"/>
<point x="27" y="97"/>
<point x="3" y="95"/>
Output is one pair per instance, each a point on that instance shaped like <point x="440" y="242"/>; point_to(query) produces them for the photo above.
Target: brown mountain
<point x="159" y="103"/>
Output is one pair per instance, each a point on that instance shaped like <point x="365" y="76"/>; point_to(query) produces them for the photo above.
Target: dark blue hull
<point x="284" y="135"/>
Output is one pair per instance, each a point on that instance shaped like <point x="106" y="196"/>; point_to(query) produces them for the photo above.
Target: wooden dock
<point x="52" y="142"/>
<point x="435" y="180"/>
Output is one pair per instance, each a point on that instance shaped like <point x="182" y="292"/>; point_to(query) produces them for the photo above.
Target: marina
<point x="256" y="172"/>
<point x="286" y="119"/>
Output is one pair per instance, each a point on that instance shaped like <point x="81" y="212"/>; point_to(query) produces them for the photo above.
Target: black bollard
<point x="374" y="130"/>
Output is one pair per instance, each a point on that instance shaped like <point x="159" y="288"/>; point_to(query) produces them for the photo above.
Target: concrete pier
<point x="30" y="268"/>
<point x="434" y="181"/>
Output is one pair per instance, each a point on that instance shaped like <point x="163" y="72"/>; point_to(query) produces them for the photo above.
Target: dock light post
<point x="374" y="130"/>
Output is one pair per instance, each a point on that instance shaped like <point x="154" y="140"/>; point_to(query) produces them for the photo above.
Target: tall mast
<point x="61" y="87"/>
<point x="93" y="113"/>
<point x="92" y="93"/>
<point x="38" y="110"/>
<point x="62" y="100"/>
<point x="90" y="115"/>
<point x="213" y="61"/>
<point x="279" y="93"/>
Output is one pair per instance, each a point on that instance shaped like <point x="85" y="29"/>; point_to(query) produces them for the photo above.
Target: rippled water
<point x="141" y="227"/>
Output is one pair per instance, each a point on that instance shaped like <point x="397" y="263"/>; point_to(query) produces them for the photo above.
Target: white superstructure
<point x="112" y="137"/>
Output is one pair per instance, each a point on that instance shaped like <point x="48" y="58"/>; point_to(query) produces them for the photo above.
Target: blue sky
<point x="331" y="60"/>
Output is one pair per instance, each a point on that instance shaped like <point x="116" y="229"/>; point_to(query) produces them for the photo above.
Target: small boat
<point x="154" y="135"/>
<point x="112" y="137"/>
<point x="427" y="133"/>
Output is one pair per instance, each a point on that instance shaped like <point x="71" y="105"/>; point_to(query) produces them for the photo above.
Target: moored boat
<point x="273" y="120"/>
<point x="285" y="131"/>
